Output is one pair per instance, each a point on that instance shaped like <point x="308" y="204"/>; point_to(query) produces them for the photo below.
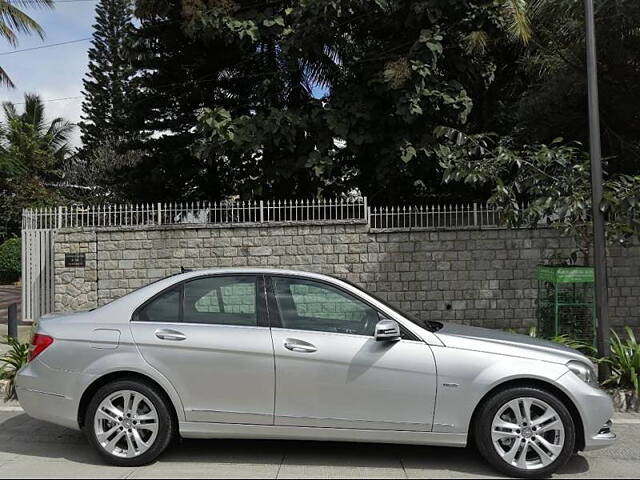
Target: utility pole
<point x="599" y="240"/>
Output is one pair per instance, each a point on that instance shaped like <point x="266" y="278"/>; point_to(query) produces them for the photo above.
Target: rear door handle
<point x="174" y="335"/>
<point x="300" y="346"/>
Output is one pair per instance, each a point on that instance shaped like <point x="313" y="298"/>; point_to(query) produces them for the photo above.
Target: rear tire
<point x="524" y="432"/>
<point x="129" y="423"/>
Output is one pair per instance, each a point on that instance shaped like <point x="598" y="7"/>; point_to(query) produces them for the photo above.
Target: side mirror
<point x="387" y="331"/>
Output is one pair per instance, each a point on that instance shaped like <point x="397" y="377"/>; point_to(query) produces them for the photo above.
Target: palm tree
<point x="29" y="141"/>
<point x="32" y="155"/>
<point x="14" y="21"/>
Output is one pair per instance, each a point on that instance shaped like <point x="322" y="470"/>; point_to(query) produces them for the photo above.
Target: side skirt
<point x="276" y="432"/>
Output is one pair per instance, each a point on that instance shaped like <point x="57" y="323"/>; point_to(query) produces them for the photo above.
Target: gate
<point x="38" y="235"/>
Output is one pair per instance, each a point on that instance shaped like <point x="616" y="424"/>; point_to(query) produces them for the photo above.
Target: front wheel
<point x="128" y="423"/>
<point x="525" y="432"/>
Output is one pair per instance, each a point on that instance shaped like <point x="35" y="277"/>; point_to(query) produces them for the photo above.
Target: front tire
<point x="129" y="423"/>
<point x="525" y="432"/>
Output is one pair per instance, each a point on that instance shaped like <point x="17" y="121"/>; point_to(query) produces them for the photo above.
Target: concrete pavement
<point x="30" y="448"/>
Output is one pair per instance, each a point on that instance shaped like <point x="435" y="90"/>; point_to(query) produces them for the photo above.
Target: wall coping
<point x="318" y="223"/>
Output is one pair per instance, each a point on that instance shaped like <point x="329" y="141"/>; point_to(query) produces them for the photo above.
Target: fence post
<point x="159" y="206"/>
<point x="261" y="211"/>
<point x="367" y="214"/>
<point x="12" y="321"/>
<point x="475" y="214"/>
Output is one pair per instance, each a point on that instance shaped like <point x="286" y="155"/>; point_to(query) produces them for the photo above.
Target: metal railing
<point x="433" y="217"/>
<point x="215" y="213"/>
<point x="436" y="217"/>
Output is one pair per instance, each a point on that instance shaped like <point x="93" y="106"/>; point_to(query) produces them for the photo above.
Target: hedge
<point x="10" y="265"/>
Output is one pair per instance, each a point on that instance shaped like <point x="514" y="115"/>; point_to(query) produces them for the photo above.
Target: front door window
<point x="309" y="305"/>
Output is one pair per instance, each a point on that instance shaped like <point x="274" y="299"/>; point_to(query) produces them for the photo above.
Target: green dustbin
<point x="566" y="302"/>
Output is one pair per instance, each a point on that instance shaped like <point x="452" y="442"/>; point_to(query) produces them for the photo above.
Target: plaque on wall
<point x="74" y="259"/>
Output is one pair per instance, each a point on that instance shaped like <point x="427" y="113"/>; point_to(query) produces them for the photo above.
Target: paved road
<point x="29" y="448"/>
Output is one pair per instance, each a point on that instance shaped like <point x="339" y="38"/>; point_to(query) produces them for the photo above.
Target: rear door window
<point x="223" y="300"/>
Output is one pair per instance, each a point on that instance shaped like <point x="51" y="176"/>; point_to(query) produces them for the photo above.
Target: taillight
<point x="38" y="345"/>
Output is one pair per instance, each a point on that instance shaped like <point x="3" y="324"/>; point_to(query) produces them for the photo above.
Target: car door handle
<point x="170" y="335"/>
<point x="300" y="346"/>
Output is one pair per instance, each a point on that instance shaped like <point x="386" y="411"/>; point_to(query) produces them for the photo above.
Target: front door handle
<point x="174" y="335"/>
<point x="300" y="346"/>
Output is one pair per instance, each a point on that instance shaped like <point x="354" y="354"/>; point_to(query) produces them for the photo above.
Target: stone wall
<point x="75" y="288"/>
<point x="478" y="277"/>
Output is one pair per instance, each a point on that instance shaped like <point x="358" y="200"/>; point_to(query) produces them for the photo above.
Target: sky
<point x="55" y="72"/>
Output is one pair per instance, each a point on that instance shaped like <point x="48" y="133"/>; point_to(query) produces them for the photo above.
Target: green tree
<point x="107" y="83"/>
<point x="97" y="176"/>
<point x="224" y="95"/>
<point x="548" y="185"/>
<point x="525" y="167"/>
<point x="544" y="93"/>
<point x="35" y="149"/>
<point x="176" y="76"/>
<point x="14" y="21"/>
<point x="392" y="70"/>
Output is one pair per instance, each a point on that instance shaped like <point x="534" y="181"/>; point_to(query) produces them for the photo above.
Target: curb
<point x="11" y="409"/>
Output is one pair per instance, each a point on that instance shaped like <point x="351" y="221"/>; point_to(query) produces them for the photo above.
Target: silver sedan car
<point x="248" y="353"/>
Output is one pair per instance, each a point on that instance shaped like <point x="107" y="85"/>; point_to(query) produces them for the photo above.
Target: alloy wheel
<point x="528" y="433"/>
<point x="126" y="424"/>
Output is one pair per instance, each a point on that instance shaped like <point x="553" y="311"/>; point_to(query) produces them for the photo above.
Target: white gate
<point x="38" y="237"/>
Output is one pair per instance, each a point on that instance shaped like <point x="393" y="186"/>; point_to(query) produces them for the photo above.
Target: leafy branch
<point x="534" y="185"/>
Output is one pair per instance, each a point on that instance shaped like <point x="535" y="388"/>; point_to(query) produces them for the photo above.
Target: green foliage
<point x="10" y="363"/>
<point x="176" y="75"/>
<point x="32" y="151"/>
<point x="586" y="348"/>
<point x="106" y="104"/>
<point x="390" y="72"/>
<point x="300" y="97"/>
<point x="547" y="96"/>
<point x="541" y="185"/>
<point x="10" y="260"/>
<point x="624" y="361"/>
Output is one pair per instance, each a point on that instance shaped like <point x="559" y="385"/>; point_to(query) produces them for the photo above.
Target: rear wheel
<point x="129" y="423"/>
<point x="525" y="432"/>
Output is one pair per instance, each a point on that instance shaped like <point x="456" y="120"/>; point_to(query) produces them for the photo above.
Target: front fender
<point x="466" y="376"/>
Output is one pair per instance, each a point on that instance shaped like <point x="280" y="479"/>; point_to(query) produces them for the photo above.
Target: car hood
<point x="504" y="343"/>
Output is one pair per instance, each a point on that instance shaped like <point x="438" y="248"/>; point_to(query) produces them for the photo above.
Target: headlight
<point x="584" y="372"/>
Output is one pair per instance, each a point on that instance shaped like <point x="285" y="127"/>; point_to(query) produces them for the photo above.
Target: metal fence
<point x="214" y="213"/>
<point x="242" y="212"/>
<point x="433" y="217"/>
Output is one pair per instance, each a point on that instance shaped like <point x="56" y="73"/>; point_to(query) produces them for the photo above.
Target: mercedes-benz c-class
<point x="249" y="353"/>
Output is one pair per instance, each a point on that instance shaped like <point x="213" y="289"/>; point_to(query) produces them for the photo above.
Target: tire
<point x="129" y="436"/>
<point x="547" y="440"/>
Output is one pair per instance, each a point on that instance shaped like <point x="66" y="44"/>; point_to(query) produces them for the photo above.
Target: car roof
<point x="250" y="270"/>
